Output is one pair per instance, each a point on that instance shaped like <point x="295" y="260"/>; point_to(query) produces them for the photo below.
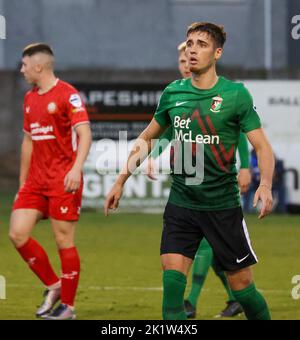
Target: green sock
<point x="221" y="275"/>
<point x="202" y="263"/>
<point x="174" y="284"/>
<point x="253" y="303"/>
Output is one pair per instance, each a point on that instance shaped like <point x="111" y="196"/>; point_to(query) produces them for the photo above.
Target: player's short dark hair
<point x="32" y="49"/>
<point x="216" y="32"/>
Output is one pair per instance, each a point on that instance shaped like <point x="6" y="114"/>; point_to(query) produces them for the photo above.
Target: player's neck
<point x="46" y="83"/>
<point x="205" y="81"/>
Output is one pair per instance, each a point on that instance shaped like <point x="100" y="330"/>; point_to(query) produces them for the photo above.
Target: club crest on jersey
<point x="216" y="104"/>
<point x="52" y="108"/>
<point x="27" y="109"/>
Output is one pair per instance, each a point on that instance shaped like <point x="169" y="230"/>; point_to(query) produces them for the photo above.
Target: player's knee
<point x="244" y="282"/>
<point x="176" y="262"/>
<point x="167" y="265"/>
<point x="63" y="241"/>
<point x="17" y="238"/>
<point x="60" y="241"/>
<point x="240" y="280"/>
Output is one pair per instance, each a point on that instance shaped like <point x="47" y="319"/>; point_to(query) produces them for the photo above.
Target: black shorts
<point x="225" y="230"/>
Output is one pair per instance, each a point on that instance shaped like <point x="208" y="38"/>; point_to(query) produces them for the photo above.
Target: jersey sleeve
<point x="248" y="116"/>
<point x="161" y="114"/>
<point x="26" y="123"/>
<point x="76" y="109"/>
<point x="243" y="151"/>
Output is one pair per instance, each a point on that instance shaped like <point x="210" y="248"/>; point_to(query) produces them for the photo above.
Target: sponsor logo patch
<point x="75" y="100"/>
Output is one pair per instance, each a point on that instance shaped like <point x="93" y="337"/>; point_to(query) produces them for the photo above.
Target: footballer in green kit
<point x="208" y="118"/>
<point x="207" y="114"/>
<point x="204" y="258"/>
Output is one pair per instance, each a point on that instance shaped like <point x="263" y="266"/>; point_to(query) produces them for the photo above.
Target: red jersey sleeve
<point x="75" y="108"/>
<point x="26" y="111"/>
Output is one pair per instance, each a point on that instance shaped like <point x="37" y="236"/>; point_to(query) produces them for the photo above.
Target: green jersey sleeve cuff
<point x="252" y="127"/>
<point x="161" y="121"/>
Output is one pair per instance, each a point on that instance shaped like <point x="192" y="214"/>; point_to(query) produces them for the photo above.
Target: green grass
<point x="121" y="273"/>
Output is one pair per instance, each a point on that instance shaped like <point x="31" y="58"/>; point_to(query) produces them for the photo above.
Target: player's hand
<point x="72" y="180"/>
<point x="263" y="194"/>
<point x="113" y="198"/>
<point x="244" y="180"/>
<point x="150" y="171"/>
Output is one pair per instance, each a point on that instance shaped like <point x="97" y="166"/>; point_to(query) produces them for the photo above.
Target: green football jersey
<point x="206" y="127"/>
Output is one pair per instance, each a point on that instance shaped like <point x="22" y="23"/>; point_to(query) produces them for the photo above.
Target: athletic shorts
<point x="64" y="206"/>
<point x="225" y="230"/>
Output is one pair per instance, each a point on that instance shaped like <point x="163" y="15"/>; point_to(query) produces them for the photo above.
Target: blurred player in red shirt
<point x="56" y="142"/>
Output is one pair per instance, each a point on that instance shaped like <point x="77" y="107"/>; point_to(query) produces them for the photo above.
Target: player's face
<point x="201" y="52"/>
<point x="28" y="70"/>
<point x="183" y="65"/>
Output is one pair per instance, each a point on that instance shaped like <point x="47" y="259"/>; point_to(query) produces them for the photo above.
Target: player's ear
<point x="218" y="53"/>
<point x="38" y="68"/>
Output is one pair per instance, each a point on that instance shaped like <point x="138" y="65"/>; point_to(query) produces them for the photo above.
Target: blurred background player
<point x="206" y="206"/>
<point x="204" y="258"/>
<point x="56" y="142"/>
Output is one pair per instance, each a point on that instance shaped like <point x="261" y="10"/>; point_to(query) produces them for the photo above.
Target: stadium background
<point x="121" y="54"/>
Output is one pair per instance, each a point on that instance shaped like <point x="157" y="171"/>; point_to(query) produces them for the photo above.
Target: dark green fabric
<point x="174" y="284"/>
<point x="253" y="303"/>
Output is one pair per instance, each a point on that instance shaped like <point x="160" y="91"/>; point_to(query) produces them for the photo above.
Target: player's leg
<point x="222" y="276"/>
<point x="175" y="271"/>
<point x="201" y="265"/>
<point x="245" y="292"/>
<point x="180" y="241"/>
<point x="21" y="225"/>
<point x="228" y="235"/>
<point x="64" y="232"/>
<point x="232" y="308"/>
<point x="64" y="211"/>
<point x="22" y="222"/>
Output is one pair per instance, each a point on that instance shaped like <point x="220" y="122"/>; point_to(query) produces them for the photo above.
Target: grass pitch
<point x="121" y="273"/>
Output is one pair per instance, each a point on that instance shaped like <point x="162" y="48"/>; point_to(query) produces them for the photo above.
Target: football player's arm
<point x="266" y="165"/>
<point x="158" y="149"/>
<point x="243" y="151"/>
<point x="73" y="178"/>
<point x="26" y="152"/>
<point x="140" y="151"/>
<point x="244" y="176"/>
